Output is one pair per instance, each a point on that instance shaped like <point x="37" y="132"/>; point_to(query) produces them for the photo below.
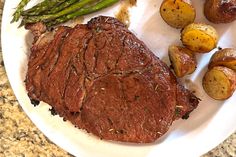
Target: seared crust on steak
<point x="105" y="80"/>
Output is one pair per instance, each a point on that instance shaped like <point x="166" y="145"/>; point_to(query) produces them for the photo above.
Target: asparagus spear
<point x="46" y="18"/>
<point x="83" y="11"/>
<point x="42" y="7"/>
<point x="61" y="7"/>
<point x="19" y="10"/>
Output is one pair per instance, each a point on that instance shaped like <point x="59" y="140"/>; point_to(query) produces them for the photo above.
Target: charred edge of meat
<point x="194" y="101"/>
<point x="177" y="112"/>
<point x="64" y="119"/>
<point x="53" y="111"/>
<point x="34" y="102"/>
<point x="186" y="116"/>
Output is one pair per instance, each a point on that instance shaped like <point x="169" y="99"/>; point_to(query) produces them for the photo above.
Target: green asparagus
<point x="19" y="9"/>
<point x="42" y="7"/>
<point x="83" y="11"/>
<point x="61" y="7"/>
<point x="46" y="18"/>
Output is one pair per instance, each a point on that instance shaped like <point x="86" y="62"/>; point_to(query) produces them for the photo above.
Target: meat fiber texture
<point x="103" y="79"/>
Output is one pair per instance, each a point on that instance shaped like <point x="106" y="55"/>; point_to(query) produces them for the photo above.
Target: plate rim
<point x="4" y="50"/>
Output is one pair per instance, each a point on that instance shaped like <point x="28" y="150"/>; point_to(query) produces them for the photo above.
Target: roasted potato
<point x="199" y="37"/>
<point x="177" y="13"/>
<point x="219" y="11"/>
<point x="182" y="60"/>
<point x="225" y="57"/>
<point x="219" y="82"/>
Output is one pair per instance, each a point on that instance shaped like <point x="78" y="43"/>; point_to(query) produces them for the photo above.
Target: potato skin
<point x="219" y="82"/>
<point x="183" y="60"/>
<point x="177" y="13"/>
<point x="219" y="11"/>
<point x="225" y="57"/>
<point x="199" y="37"/>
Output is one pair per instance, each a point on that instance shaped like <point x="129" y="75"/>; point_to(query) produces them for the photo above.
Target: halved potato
<point x="177" y="13"/>
<point x="225" y="57"/>
<point x="219" y="82"/>
<point x="199" y="37"/>
<point x="183" y="60"/>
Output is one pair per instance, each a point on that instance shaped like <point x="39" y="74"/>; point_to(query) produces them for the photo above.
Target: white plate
<point x="207" y="126"/>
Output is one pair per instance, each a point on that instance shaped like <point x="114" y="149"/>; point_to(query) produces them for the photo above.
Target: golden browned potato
<point x="182" y="60"/>
<point x="177" y="13"/>
<point x="199" y="37"/>
<point x="219" y="82"/>
<point x="225" y="57"/>
<point x="220" y="11"/>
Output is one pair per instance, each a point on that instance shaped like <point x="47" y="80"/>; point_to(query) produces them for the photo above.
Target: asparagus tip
<point x="13" y="20"/>
<point x="22" y="24"/>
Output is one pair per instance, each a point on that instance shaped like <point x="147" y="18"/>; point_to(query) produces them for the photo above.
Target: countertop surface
<point x="20" y="137"/>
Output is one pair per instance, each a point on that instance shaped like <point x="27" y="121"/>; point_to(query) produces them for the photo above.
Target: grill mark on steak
<point x="106" y="81"/>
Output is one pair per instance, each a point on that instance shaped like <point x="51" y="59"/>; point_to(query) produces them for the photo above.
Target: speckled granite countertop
<point x="20" y="137"/>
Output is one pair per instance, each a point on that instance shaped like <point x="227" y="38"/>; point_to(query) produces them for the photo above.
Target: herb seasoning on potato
<point x="219" y="82"/>
<point x="199" y="37"/>
<point x="177" y="13"/>
<point x="183" y="60"/>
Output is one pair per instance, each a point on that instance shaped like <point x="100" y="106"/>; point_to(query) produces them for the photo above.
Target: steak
<point x="103" y="79"/>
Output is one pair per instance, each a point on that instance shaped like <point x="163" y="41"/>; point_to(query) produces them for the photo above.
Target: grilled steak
<point x="105" y="80"/>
